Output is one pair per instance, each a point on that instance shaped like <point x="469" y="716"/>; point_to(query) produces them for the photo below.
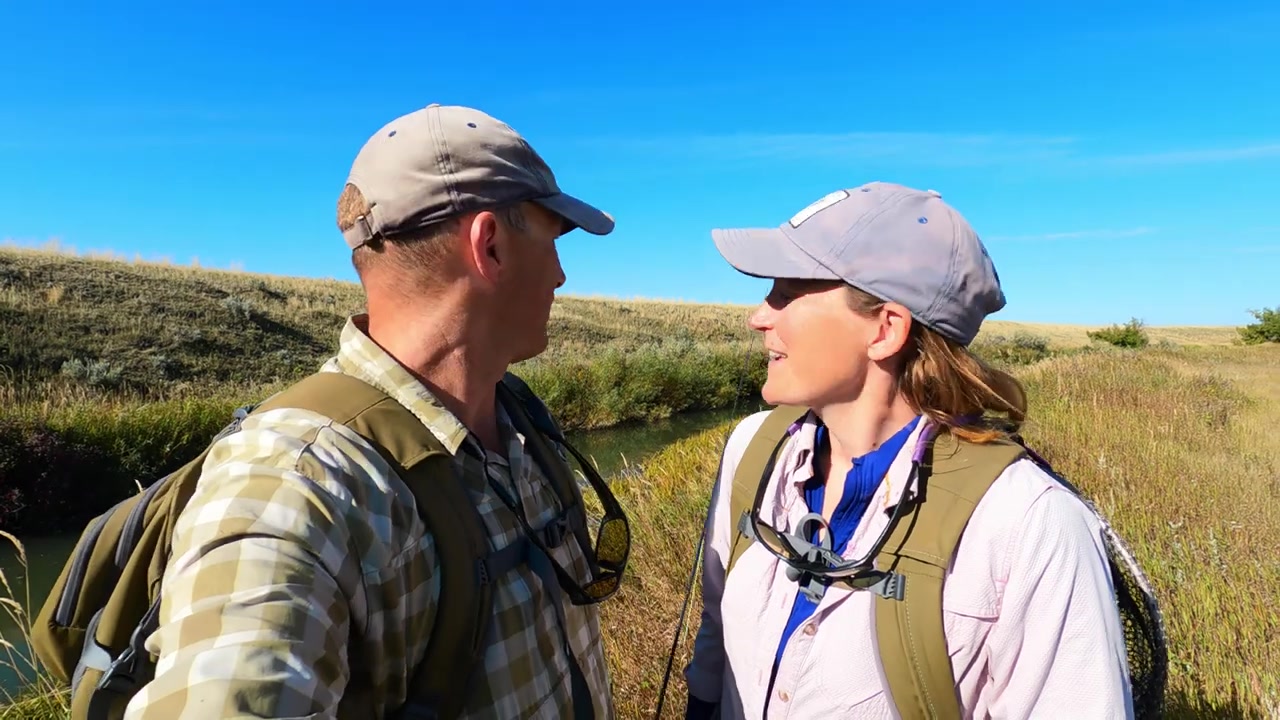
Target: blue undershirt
<point x="859" y="486"/>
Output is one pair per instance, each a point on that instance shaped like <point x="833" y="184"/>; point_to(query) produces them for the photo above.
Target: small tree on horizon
<point x="1267" y="329"/>
<point x="1130" y="335"/>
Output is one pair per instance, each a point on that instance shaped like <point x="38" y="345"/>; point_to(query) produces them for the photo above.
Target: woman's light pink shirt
<point x="1030" y="616"/>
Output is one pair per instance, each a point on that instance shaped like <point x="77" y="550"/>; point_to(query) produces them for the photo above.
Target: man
<point x="302" y="582"/>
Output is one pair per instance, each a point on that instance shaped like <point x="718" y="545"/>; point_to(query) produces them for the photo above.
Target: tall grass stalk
<point x="1169" y="448"/>
<point x="42" y="698"/>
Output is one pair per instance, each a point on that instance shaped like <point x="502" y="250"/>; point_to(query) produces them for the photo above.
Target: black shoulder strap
<point x="534" y="406"/>
<point x="531" y="418"/>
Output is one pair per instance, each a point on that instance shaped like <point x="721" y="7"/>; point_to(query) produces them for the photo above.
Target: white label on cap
<point x="817" y="206"/>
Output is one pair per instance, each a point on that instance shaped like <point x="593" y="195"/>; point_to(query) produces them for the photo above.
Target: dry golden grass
<point x="43" y="698"/>
<point x="52" y="275"/>
<point x="1070" y="336"/>
<point x="1176" y="447"/>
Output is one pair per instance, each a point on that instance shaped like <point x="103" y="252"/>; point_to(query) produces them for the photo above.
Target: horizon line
<point x="55" y="248"/>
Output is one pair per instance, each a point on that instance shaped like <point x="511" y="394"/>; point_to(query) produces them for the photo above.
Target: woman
<point x="877" y="292"/>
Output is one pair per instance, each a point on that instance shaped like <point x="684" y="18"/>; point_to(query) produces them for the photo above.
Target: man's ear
<point x="892" y="332"/>
<point x="485" y="250"/>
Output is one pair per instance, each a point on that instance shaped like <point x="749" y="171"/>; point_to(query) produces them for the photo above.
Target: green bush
<point x="615" y="385"/>
<point x="1023" y="348"/>
<point x="1130" y="335"/>
<point x="1267" y="329"/>
<point x="57" y="473"/>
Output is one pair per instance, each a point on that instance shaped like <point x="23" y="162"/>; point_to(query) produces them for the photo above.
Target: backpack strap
<point x="532" y="419"/>
<point x="954" y="476"/>
<point x="459" y="632"/>
<point x="754" y="469"/>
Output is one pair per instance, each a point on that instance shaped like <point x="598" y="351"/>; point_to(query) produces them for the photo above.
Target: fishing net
<point x="1143" y="629"/>
<point x="1144" y="635"/>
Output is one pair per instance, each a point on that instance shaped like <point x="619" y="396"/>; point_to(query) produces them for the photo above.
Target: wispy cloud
<point x="930" y="149"/>
<point x="927" y="148"/>
<point x="1201" y="156"/>
<point x="143" y="141"/>
<point x="1102" y="234"/>
<point x="1214" y="26"/>
<point x="1257" y="250"/>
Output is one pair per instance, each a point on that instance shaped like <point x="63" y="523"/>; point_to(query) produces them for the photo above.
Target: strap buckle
<point x="555" y="531"/>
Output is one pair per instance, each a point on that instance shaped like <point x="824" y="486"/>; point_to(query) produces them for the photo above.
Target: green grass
<point x="43" y="698"/>
<point x="113" y="371"/>
<point x="1175" y="447"/>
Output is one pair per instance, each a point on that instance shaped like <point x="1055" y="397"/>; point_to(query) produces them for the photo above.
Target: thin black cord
<point x="675" y="643"/>
<point x="697" y="552"/>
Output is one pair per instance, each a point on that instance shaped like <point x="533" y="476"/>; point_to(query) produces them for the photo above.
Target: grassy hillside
<point x="112" y="373"/>
<point x="1177" y="448"/>
<point x="156" y="330"/>
<point x="1070" y="336"/>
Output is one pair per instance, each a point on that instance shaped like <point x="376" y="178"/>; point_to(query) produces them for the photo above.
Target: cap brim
<point x="768" y="253"/>
<point x="578" y="213"/>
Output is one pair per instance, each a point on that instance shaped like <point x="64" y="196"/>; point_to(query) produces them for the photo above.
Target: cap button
<point x="934" y="193"/>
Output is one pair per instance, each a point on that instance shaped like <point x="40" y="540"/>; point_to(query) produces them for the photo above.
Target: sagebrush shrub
<point x="1267" y="329"/>
<point x="1132" y="334"/>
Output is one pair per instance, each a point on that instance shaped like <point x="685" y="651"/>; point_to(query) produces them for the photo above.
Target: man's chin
<point x="530" y="352"/>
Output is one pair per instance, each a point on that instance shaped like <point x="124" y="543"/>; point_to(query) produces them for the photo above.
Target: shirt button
<point x="810" y="629"/>
<point x="784" y="696"/>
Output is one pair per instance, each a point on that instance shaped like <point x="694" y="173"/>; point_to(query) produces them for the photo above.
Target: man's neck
<point x="437" y="347"/>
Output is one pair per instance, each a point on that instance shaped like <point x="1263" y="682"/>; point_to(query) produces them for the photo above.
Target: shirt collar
<point x="361" y="357"/>
<point x="803" y="435"/>
<point x="803" y="441"/>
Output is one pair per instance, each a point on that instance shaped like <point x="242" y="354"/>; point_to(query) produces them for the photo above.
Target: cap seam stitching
<point x="951" y="266"/>
<point x="527" y="160"/>
<point x="807" y="254"/>
<point x="444" y="163"/>
<point x="863" y="222"/>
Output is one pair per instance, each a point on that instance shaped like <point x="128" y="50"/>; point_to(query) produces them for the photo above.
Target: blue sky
<point x="1118" y="160"/>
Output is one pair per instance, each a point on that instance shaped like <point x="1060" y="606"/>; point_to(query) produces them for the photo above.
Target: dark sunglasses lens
<point x="602" y="588"/>
<point x="613" y="542"/>
<point x="781" y="546"/>
<point x="778" y="543"/>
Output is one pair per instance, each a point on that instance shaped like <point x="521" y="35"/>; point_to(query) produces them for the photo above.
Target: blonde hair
<point x="951" y="386"/>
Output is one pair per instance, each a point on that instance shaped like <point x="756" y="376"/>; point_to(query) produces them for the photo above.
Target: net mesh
<point x="1144" y="636"/>
<point x="1143" y="630"/>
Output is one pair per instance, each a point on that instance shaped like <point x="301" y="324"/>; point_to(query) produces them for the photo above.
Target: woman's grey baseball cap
<point x="899" y="244"/>
<point x="444" y="160"/>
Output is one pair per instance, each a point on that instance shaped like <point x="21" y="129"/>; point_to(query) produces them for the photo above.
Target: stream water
<point x="612" y="450"/>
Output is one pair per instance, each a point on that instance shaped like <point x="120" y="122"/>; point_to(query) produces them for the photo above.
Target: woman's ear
<point x="892" y="332"/>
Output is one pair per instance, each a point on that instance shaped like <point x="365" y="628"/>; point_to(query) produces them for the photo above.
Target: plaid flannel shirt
<point x="302" y="582"/>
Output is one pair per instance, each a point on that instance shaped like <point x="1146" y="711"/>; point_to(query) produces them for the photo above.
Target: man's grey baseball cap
<point x="899" y="244"/>
<point x="444" y="160"/>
